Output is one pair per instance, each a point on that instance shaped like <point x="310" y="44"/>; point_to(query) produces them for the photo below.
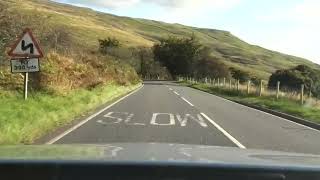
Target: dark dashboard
<point x="95" y="170"/>
<point x="153" y="161"/>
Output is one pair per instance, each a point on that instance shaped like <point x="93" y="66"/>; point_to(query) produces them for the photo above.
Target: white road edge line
<point x="187" y="101"/>
<point x="176" y="93"/>
<point x="234" y="140"/>
<point x="57" y="138"/>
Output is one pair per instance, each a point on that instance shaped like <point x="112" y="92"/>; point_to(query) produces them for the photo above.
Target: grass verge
<point x="21" y="122"/>
<point x="284" y="105"/>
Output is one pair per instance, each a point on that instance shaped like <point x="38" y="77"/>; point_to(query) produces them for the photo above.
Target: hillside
<point x="86" y="26"/>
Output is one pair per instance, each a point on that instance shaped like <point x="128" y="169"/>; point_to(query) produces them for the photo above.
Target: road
<point x="165" y="112"/>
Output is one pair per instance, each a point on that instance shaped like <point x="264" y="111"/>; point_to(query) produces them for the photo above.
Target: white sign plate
<point x="25" y="65"/>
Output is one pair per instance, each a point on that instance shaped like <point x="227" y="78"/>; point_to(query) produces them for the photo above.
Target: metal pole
<point x="26" y="77"/>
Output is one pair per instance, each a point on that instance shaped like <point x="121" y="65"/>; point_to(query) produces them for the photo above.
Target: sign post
<point x="26" y="79"/>
<point x="25" y="54"/>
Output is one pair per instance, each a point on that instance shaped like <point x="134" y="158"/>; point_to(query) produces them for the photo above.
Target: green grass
<point x="86" y="26"/>
<point x="284" y="105"/>
<point x="21" y="122"/>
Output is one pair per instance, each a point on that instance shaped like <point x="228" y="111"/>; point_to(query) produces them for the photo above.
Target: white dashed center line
<point x="176" y="93"/>
<point x="234" y="140"/>
<point x="171" y="89"/>
<point x="187" y="101"/>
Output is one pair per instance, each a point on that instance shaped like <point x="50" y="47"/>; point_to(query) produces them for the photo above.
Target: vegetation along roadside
<point x="284" y="104"/>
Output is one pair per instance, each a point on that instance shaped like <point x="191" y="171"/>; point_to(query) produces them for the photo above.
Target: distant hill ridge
<point x="87" y="25"/>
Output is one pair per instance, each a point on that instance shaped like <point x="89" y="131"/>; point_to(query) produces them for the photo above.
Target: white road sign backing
<point x="25" y="65"/>
<point x="26" y="46"/>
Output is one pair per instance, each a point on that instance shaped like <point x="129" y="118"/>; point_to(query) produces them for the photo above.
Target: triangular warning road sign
<point x="26" y="46"/>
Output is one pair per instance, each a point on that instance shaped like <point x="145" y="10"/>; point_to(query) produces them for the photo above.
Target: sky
<point x="288" y="26"/>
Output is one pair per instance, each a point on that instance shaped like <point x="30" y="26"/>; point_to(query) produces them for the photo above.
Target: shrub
<point x="293" y="78"/>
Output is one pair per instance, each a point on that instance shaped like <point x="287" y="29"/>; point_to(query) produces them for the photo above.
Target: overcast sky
<point x="289" y="26"/>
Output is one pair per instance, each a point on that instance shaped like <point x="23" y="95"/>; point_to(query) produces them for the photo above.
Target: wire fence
<point x="249" y="88"/>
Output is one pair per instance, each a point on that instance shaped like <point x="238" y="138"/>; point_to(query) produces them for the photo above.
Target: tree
<point x="255" y="80"/>
<point x="105" y="45"/>
<point x="144" y="57"/>
<point x="212" y="67"/>
<point x="242" y="76"/>
<point x="294" y="77"/>
<point x="178" y="54"/>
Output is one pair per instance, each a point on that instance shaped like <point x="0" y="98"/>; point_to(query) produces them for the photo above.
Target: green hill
<point x="84" y="26"/>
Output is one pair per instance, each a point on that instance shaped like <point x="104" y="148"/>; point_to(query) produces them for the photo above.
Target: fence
<point x="250" y="88"/>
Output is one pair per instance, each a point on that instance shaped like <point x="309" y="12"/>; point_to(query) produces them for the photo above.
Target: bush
<point x="211" y="67"/>
<point x="242" y="76"/>
<point x="106" y="45"/>
<point x="61" y="74"/>
<point x="293" y="78"/>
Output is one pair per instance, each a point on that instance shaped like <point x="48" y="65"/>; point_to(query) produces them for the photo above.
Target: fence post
<point x="261" y="88"/>
<point x="230" y="83"/>
<point x="206" y="80"/>
<point x="278" y="89"/>
<point x="301" y="94"/>
<point x="238" y="83"/>
<point x="218" y="82"/>
<point x="248" y="87"/>
<point x="224" y="82"/>
<point x="310" y="92"/>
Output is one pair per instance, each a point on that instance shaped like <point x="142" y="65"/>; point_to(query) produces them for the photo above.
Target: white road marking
<point x="118" y="120"/>
<point x="89" y="118"/>
<point x="176" y="93"/>
<point x="171" y="89"/>
<point x="187" y="101"/>
<point x="115" y="150"/>
<point x="183" y="121"/>
<point x="127" y="121"/>
<point x="126" y="118"/>
<point x="154" y="118"/>
<point x="234" y="140"/>
<point x="185" y="152"/>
